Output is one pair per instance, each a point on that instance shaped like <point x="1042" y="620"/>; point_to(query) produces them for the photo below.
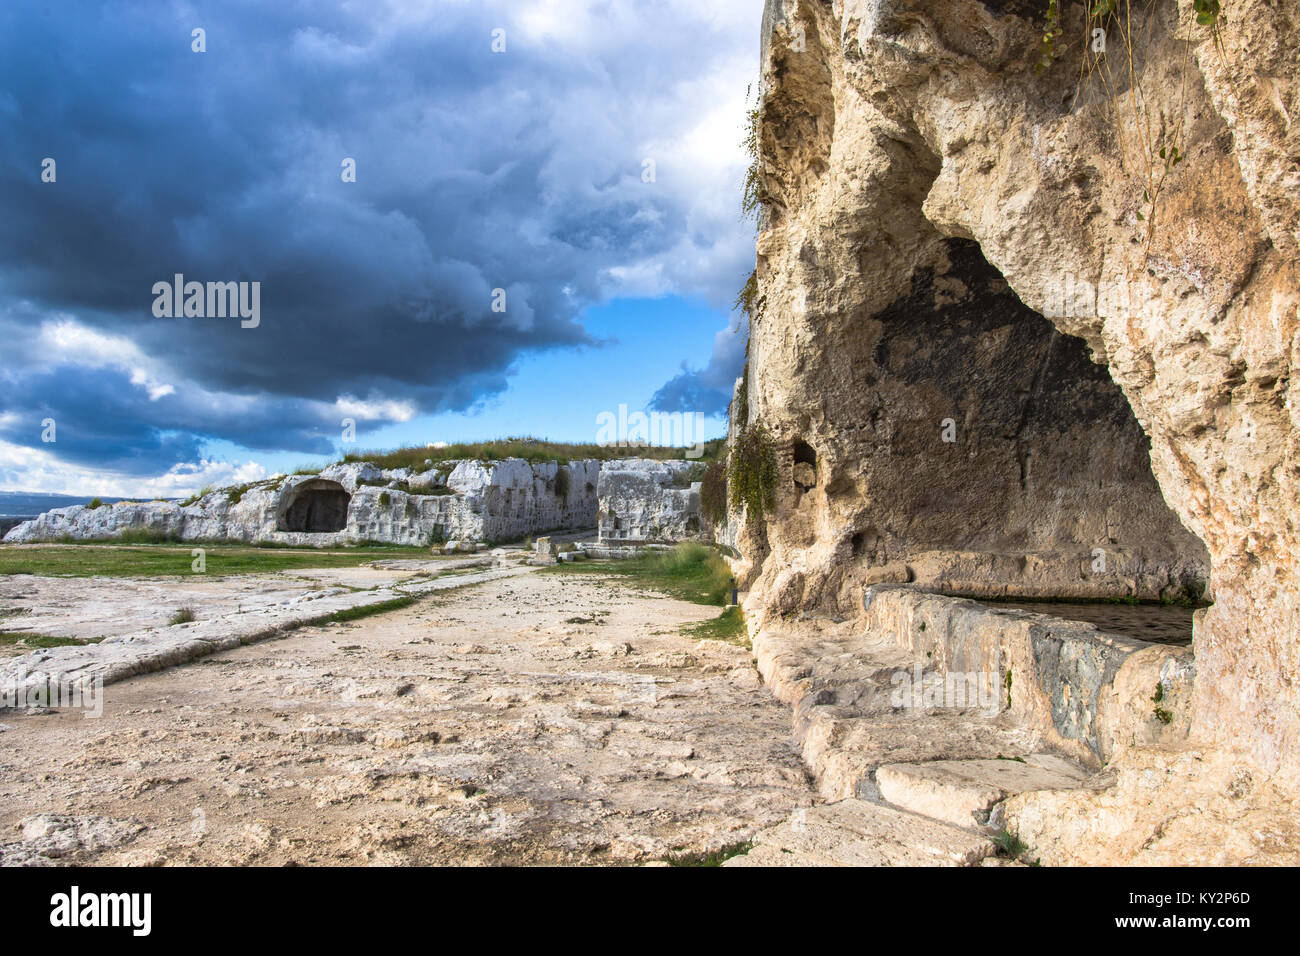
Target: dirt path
<point x="534" y="719"/>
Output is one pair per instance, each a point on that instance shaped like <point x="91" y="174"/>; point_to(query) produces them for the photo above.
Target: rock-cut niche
<point x="316" y="506"/>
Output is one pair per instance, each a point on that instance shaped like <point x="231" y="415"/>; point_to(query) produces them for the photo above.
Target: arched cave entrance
<point x="993" y="457"/>
<point x="317" y="506"/>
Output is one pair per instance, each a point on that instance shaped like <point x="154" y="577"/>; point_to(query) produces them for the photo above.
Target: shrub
<point x="752" y="472"/>
<point x="713" y="493"/>
<point x="740" y="414"/>
<point x="94" y="503"/>
<point x="562" y="482"/>
<point x="197" y="496"/>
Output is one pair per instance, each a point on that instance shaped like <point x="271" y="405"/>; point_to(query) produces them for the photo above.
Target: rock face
<point x="1005" y="340"/>
<point x="458" y="501"/>
<point x="644" y="500"/>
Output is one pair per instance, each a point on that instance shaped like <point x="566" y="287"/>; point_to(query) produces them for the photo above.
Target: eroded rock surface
<point x="1125" y="392"/>
<point x="529" y="719"/>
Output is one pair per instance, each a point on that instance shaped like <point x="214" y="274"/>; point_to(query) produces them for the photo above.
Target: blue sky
<point x="523" y="169"/>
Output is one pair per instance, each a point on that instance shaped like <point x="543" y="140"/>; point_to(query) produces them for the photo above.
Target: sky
<point x="465" y="220"/>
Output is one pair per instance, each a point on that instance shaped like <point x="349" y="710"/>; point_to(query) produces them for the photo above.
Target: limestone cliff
<point x="1024" y="305"/>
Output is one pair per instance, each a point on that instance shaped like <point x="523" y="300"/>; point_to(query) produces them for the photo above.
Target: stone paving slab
<point x="860" y="833"/>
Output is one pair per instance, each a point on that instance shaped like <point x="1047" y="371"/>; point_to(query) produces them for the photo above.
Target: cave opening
<point x="805" y="465"/>
<point x="998" y="459"/>
<point x="315" y="507"/>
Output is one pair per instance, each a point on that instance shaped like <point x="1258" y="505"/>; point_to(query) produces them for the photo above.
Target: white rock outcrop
<point x="349" y="503"/>
<point x="643" y="500"/>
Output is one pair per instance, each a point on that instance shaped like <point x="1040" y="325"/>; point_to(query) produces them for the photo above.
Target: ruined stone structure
<point x="648" y="501"/>
<point x="454" y="502"/>
<point x="1007" y="346"/>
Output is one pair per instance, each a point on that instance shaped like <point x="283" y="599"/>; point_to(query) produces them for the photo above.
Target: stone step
<point x="963" y="792"/>
<point x="860" y="833"/>
<point x="844" y="753"/>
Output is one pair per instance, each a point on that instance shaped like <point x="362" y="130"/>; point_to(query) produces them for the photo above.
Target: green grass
<point x="155" y="560"/>
<point x="1010" y="845"/>
<point x="184" y="615"/>
<point x="727" y="626"/>
<point x="716" y="858"/>
<point x="691" y="571"/>
<point x="357" y="613"/>
<point x="533" y="450"/>
<point x="31" y="639"/>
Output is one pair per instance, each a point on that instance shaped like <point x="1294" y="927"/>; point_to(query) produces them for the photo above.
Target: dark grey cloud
<point x="475" y="171"/>
<point x="707" y="390"/>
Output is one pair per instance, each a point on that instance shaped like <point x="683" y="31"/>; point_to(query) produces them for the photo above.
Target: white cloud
<point x="34" y="469"/>
<point x="370" y="411"/>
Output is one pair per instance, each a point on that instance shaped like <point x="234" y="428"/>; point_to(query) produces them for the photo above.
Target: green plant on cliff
<point x="747" y="298"/>
<point x="751" y="199"/>
<point x="741" y="411"/>
<point x="1162" y="714"/>
<point x="752" y="472"/>
<point x="713" y="494"/>
<point x="562" y="482"/>
<point x="1049" y="47"/>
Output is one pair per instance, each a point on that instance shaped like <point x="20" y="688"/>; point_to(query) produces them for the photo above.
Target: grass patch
<point x="1162" y="714"/>
<point x="728" y="626"/>
<point x="32" y="639"/>
<point x="368" y="610"/>
<point x="184" y="615"/>
<point x="716" y="858"/>
<point x="691" y="571"/>
<point x="116" y="560"/>
<point x="533" y="450"/>
<point x="1010" y="845"/>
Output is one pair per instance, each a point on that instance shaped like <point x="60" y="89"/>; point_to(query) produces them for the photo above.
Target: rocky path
<point x="521" y="719"/>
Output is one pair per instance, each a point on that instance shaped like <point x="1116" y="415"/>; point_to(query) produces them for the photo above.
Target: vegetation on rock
<point x="752" y="472"/>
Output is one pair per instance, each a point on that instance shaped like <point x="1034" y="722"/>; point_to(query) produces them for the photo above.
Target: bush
<point x="713" y="493"/>
<point x="94" y="503"/>
<point x="752" y="472"/>
<point x="562" y="482"/>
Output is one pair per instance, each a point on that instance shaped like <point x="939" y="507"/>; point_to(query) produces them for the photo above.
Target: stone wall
<point x="1056" y="677"/>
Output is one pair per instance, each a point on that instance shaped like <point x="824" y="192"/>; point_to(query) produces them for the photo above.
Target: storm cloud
<point x="476" y="170"/>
